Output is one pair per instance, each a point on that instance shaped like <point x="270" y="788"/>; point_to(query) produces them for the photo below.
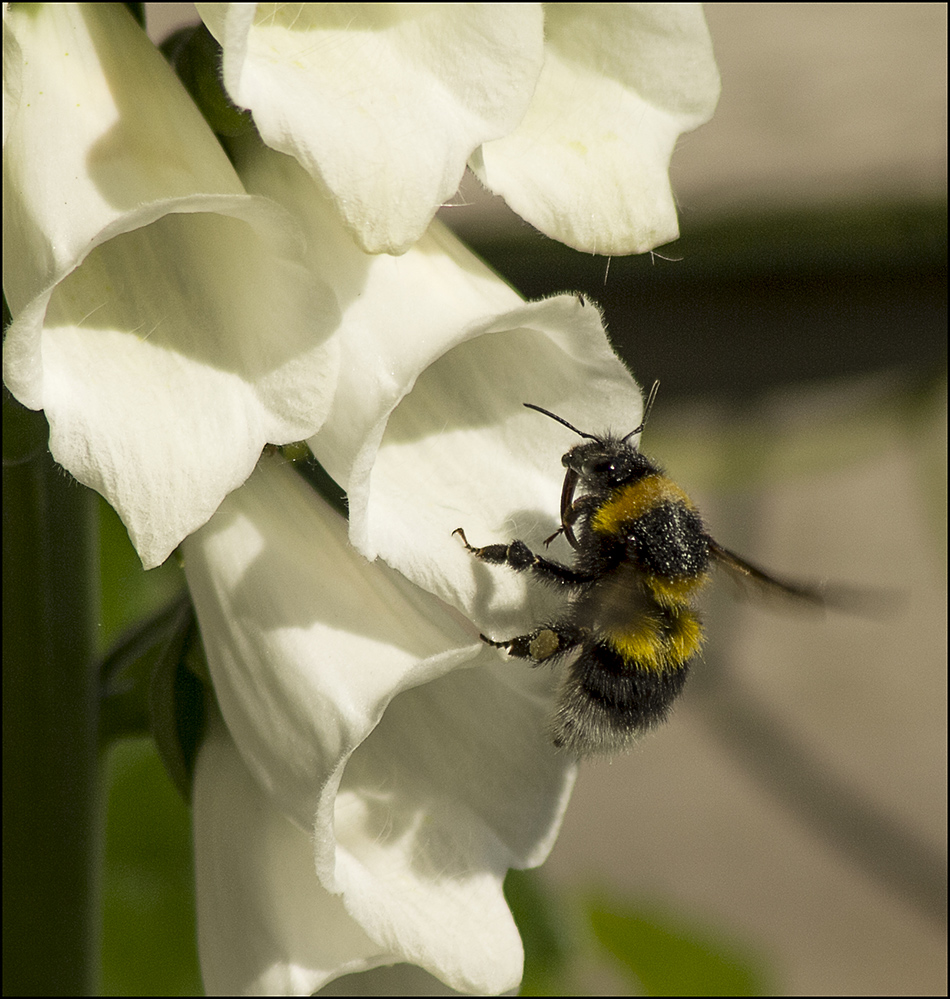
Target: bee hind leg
<point x="540" y="645"/>
<point x="497" y="645"/>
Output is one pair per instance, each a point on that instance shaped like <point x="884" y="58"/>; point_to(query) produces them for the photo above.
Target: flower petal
<point x="340" y="682"/>
<point x="462" y="440"/>
<point x="588" y="164"/>
<point x="395" y="980"/>
<point x="12" y="75"/>
<point x="383" y="103"/>
<point x="306" y="642"/>
<point x="162" y="398"/>
<point x="399" y="314"/>
<point x="458" y="783"/>
<point x="265" y="924"/>
<point x="427" y="432"/>
<point x="162" y="317"/>
<point x="100" y="127"/>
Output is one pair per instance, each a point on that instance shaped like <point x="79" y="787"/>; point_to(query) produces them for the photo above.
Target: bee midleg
<point x="581" y="506"/>
<point x="518" y="556"/>
<point x="542" y="644"/>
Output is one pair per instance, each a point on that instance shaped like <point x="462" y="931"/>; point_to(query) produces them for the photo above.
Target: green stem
<point x="51" y="820"/>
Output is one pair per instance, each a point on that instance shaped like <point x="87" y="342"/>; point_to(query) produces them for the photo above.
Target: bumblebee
<point x="629" y="628"/>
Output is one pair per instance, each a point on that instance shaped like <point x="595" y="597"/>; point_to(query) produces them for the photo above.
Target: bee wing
<point x="864" y="602"/>
<point x="745" y="572"/>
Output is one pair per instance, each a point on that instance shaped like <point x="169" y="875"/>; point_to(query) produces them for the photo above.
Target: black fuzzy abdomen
<point x="605" y="701"/>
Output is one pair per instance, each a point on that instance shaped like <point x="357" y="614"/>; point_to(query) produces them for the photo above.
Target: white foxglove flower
<point x="161" y="316"/>
<point x="569" y="111"/>
<point x="382" y="103"/>
<point x="377" y="769"/>
<point x="367" y="714"/>
<point x="589" y="163"/>
<point x="388" y="768"/>
<point x="427" y="431"/>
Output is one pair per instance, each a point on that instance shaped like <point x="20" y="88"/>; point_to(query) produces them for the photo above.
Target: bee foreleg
<point x="518" y="556"/>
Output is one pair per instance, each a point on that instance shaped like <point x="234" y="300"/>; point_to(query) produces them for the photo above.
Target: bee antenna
<point x="651" y="398"/>
<point x="570" y="426"/>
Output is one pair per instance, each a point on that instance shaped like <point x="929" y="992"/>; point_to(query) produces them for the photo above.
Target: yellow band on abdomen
<point x="656" y="645"/>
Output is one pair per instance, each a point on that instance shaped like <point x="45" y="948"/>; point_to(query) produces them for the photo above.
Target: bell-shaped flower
<point x="427" y="431"/>
<point x="589" y="163"/>
<point x="569" y="111"/>
<point x="370" y="733"/>
<point x="386" y="768"/>
<point x="382" y="103"/>
<point x="162" y="318"/>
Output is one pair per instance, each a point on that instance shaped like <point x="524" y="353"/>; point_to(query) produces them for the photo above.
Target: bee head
<point x="605" y="463"/>
<point x="600" y="466"/>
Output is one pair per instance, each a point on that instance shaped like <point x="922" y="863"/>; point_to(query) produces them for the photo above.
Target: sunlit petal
<point x="162" y="317"/>
<point x="588" y="164"/>
<point x="382" y="103"/>
<point x="422" y="782"/>
<point x="427" y="431"/>
<point x="265" y="924"/>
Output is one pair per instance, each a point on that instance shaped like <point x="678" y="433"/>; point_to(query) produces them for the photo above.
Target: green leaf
<point x="154" y="680"/>
<point x="126" y="672"/>
<point x="195" y="56"/>
<point x="661" y="955"/>
<point x="177" y="702"/>
<point x="306" y="466"/>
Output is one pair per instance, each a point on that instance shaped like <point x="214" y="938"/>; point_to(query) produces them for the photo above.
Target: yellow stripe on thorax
<point x="633" y="500"/>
